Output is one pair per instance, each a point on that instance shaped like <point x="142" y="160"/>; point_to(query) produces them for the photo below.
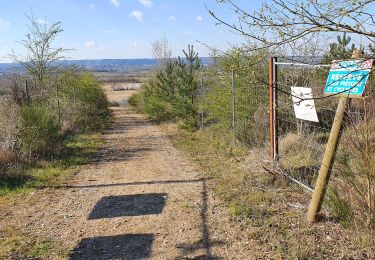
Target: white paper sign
<point x="304" y="109"/>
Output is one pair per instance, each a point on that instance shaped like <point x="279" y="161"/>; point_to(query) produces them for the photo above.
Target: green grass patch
<point x="76" y="151"/>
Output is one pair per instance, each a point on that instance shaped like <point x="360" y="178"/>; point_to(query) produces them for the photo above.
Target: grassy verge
<point x="274" y="210"/>
<point x="76" y="151"/>
<point x="16" y="245"/>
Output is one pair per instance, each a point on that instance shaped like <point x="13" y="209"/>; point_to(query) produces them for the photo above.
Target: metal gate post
<point x="273" y="97"/>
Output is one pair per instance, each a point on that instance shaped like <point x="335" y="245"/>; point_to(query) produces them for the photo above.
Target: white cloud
<point x="137" y="15"/>
<point x="129" y="43"/>
<point x="199" y="18"/>
<point x="4" y="24"/>
<point x="92" y="45"/>
<point x="115" y="2"/>
<point x="172" y="18"/>
<point x="189" y="32"/>
<point x="146" y="3"/>
<point x="92" y="6"/>
<point x="133" y="43"/>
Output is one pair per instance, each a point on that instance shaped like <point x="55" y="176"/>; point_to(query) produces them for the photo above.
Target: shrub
<point x="136" y="100"/>
<point x="250" y="96"/>
<point x="156" y="105"/>
<point x="93" y="111"/>
<point x="9" y="124"/>
<point x="172" y="93"/>
<point x="39" y="131"/>
<point x="114" y="104"/>
<point x="83" y="104"/>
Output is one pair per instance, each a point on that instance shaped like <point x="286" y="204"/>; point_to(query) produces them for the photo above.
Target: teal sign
<point x="348" y="77"/>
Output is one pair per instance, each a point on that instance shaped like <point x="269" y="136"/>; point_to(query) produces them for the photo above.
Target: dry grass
<point x="6" y="157"/>
<point x="17" y="245"/>
<point x="274" y="210"/>
<point x="115" y="95"/>
<point x="9" y="123"/>
<point x="354" y="185"/>
<point x="296" y="152"/>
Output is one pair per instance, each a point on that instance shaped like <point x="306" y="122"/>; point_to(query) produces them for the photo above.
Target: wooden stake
<point x="329" y="154"/>
<point x="328" y="160"/>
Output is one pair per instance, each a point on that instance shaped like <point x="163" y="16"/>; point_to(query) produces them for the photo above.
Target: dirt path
<point x="139" y="199"/>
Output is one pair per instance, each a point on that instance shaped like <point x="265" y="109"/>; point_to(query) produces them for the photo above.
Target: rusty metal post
<point x="273" y="96"/>
<point x="276" y="107"/>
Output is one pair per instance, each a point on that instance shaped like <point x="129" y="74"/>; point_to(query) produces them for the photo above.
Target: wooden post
<point x="58" y="103"/>
<point x="329" y="155"/>
<point x="233" y="109"/>
<point x="272" y="71"/>
<point x="328" y="160"/>
<point x="27" y="93"/>
<point x="74" y="95"/>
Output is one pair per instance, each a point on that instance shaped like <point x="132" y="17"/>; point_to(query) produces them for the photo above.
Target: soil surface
<point x="140" y="198"/>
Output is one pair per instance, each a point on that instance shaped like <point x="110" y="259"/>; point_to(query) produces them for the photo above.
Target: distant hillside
<point x="106" y="65"/>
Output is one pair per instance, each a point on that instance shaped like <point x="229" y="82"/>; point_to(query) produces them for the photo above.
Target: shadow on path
<point x="205" y="243"/>
<point x="129" y="246"/>
<point x="115" y="154"/>
<point x="124" y="184"/>
<point x="129" y="205"/>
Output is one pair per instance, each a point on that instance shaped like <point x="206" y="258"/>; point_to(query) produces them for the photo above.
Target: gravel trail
<point x="140" y="198"/>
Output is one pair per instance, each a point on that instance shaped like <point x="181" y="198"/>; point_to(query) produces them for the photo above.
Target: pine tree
<point x="340" y="50"/>
<point x="371" y="48"/>
<point x="188" y="73"/>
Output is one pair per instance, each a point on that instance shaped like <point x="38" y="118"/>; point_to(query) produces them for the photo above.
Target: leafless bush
<point x="9" y="124"/>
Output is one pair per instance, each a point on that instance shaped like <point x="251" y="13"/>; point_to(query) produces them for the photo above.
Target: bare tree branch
<point x="38" y="43"/>
<point x="279" y="22"/>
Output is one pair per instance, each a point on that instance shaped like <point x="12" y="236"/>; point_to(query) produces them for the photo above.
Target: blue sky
<point x="99" y="29"/>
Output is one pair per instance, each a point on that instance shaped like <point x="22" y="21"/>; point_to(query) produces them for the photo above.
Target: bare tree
<point x="279" y="22"/>
<point x="40" y="55"/>
<point x="161" y="50"/>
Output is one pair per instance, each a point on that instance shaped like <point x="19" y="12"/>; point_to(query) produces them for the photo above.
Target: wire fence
<point x="234" y="103"/>
<point x="300" y="144"/>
